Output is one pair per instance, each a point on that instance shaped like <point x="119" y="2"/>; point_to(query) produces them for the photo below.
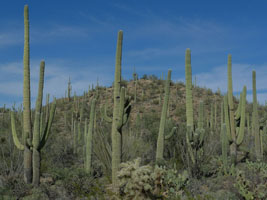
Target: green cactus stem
<point x="69" y="89"/>
<point x="200" y="123"/>
<point x="255" y="120"/>
<point x="161" y="137"/>
<point x="241" y="130"/>
<point x="26" y="101"/>
<point x="104" y="114"/>
<point x="194" y="138"/>
<point x="89" y="138"/>
<point x="235" y="123"/>
<point x="116" y="133"/>
<point x="231" y="108"/>
<point x="224" y="143"/>
<point x="188" y="85"/>
<point x="38" y="140"/>
<point x="211" y="117"/>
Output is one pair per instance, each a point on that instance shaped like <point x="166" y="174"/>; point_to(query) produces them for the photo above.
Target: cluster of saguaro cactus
<point x="161" y="135"/>
<point x="34" y="141"/>
<point x="194" y="138"/>
<point x="121" y="112"/>
<point x="235" y="123"/>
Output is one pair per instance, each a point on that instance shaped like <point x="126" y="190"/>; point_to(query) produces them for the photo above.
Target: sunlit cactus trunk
<point x="231" y="109"/>
<point x="36" y="130"/>
<point x="255" y="120"/>
<point x="116" y="137"/>
<point x="188" y="85"/>
<point x="26" y="101"/>
<point x="161" y="136"/>
<point x="89" y="138"/>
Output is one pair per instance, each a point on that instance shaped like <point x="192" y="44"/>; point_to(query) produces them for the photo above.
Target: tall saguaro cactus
<point x="26" y="100"/>
<point x="255" y="120"/>
<point x="194" y="138"/>
<point x="39" y="137"/>
<point x="161" y="137"/>
<point x="188" y="84"/>
<point x="31" y="141"/>
<point x="235" y="131"/>
<point x="69" y="89"/>
<point x="231" y="107"/>
<point x="121" y="112"/>
<point x="89" y="138"/>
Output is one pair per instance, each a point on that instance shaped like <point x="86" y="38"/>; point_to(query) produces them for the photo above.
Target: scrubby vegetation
<point x="146" y="138"/>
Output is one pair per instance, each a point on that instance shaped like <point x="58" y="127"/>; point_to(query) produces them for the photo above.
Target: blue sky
<point x="78" y="39"/>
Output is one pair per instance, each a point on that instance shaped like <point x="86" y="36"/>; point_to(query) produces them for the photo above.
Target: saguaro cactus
<point x="161" y="137"/>
<point x="36" y="144"/>
<point x="26" y="101"/>
<point x="235" y="131"/>
<point x="31" y="143"/>
<point x="135" y="85"/>
<point x="188" y="84"/>
<point x="89" y="137"/>
<point x="121" y="112"/>
<point x="231" y="107"/>
<point x="194" y="138"/>
<point x="224" y="143"/>
<point x="69" y="89"/>
<point x="255" y="120"/>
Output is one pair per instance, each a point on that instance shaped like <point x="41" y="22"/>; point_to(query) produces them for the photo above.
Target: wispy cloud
<point x="10" y="38"/>
<point x="241" y="75"/>
<point x="57" y="73"/>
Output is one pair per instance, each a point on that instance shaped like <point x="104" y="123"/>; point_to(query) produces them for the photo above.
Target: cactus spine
<point x="89" y="138"/>
<point x="255" y="120"/>
<point x="161" y="137"/>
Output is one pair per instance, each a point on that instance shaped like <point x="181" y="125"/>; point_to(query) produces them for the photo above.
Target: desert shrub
<point x="77" y="182"/>
<point x="146" y="182"/>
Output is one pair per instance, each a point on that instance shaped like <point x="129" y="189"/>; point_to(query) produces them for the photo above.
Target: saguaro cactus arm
<point x="227" y="119"/>
<point x="48" y="126"/>
<point x="243" y="117"/>
<point x="14" y="133"/>
<point x="104" y="114"/>
<point x="173" y="131"/>
<point x="89" y="137"/>
<point x="160" y="141"/>
<point x="36" y="128"/>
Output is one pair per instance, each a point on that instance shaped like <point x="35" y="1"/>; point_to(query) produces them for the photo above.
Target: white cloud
<point x="10" y="38"/>
<point x="241" y="75"/>
<point x="56" y="78"/>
